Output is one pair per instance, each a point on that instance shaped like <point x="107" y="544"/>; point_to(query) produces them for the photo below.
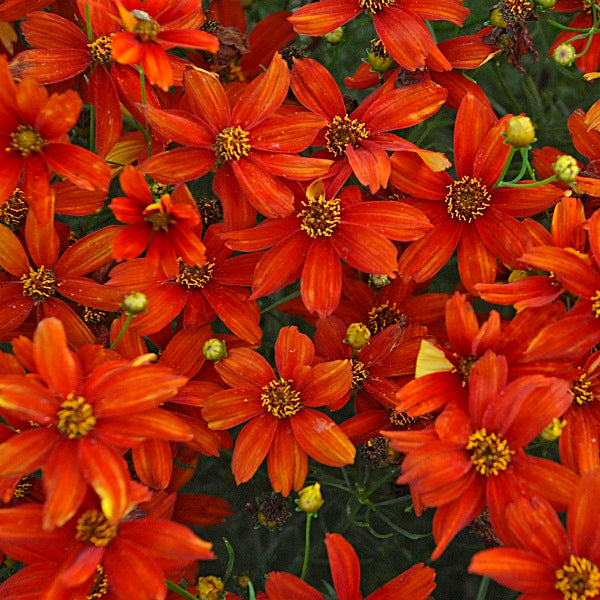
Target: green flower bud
<point x="357" y="335"/>
<point x="135" y="303"/>
<point x="214" y="349"/>
<point x="310" y="499"/>
<point x="520" y="132"/>
<point x="564" y="55"/>
<point x="334" y="37"/>
<point x="566" y="168"/>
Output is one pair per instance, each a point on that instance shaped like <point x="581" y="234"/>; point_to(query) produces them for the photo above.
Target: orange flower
<point x="33" y="131"/>
<point x="283" y="425"/>
<point x="151" y="28"/>
<point x="473" y="457"/>
<point x="541" y="559"/>
<point x="162" y="227"/>
<point x="87" y="417"/>
<point x="415" y="583"/>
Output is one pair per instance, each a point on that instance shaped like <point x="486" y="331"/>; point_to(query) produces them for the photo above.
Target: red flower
<point x="283" y="425"/>
<point x="415" y="583"/>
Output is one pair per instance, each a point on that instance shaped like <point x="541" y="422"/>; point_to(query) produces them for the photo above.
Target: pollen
<point x="232" y="143"/>
<point x="360" y="374"/>
<point x="580" y="390"/>
<point x="155" y="215"/>
<point x="383" y="316"/>
<point x="101" y="50"/>
<point x="99" y="585"/>
<point x="579" y="579"/>
<point x="193" y="277"/>
<point x="75" y="417"/>
<point x="39" y="284"/>
<point x="280" y="398"/>
<point x="343" y="131"/>
<point x="513" y="11"/>
<point x="14" y="210"/>
<point x="23" y="488"/>
<point x="26" y="140"/>
<point x="467" y="199"/>
<point x="94" y="527"/>
<point x="320" y="216"/>
<point x="374" y="6"/>
<point x="489" y="453"/>
<point x="596" y="304"/>
<point x="402" y="420"/>
<point x="93" y="315"/>
<point x="464" y="366"/>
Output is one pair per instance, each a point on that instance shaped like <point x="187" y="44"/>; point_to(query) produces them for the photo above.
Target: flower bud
<point x="310" y="499"/>
<point x="520" y="132"/>
<point x="334" y="37"/>
<point x="496" y="19"/>
<point x="553" y="431"/>
<point x="378" y="281"/>
<point x="210" y="588"/>
<point x="564" y="55"/>
<point x="545" y="4"/>
<point x="214" y="349"/>
<point x="357" y="335"/>
<point x="566" y="168"/>
<point x="135" y="303"/>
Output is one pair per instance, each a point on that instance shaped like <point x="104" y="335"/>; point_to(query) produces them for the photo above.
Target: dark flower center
<point x="155" y="215"/>
<point x="26" y="140"/>
<point x="94" y="527"/>
<point x="39" y="284"/>
<point x="101" y="50"/>
<point x="579" y="579"/>
<point x="146" y="27"/>
<point x="464" y="366"/>
<point x="467" y="199"/>
<point x="383" y="316"/>
<point x="14" y="210"/>
<point x="99" y="585"/>
<point x="280" y="398"/>
<point x="374" y="6"/>
<point x="580" y="390"/>
<point x="514" y="11"/>
<point x="75" y="417"/>
<point x="320" y="216"/>
<point x="343" y="131"/>
<point x="193" y="277"/>
<point x="232" y="143"/>
<point x="596" y="304"/>
<point x="359" y="374"/>
<point x="489" y="453"/>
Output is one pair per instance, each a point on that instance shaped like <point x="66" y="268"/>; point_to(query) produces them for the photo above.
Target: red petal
<point x="293" y="351"/>
<point x="344" y="565"/>
<point x="322" y="17"/>
<point x="287" y="462"/>
<point x="283" y="586"/>
<point x="252" y="445"/>
<point x="245" y="368"/>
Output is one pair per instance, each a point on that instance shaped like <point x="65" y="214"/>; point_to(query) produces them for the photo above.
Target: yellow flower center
<point x="280" y="398"/>
<point x="101" y="50"/>
<point x="578" y="580"/>
<point x="343" y="131"/>
<point x="146" y="27"/>
<point x="320" y="216"/>
<point x="93" y="315"/>
<point x="383" y="316"/>
<point x="402" y="420"/>
<point x="374" y="6"/>
<point x="94" y="527"/>
<point x="489" y="453"/>
<point x="464" y="366"/>
<point x="580" y="390"/>
<point x="39" y="284"/>
<point x="232" y="143"/>
<point x="99" y="586"/>
<point x="513" y="11"/>
<point x="359" y="374"/>
<point x="14" y="210"/>
<point x="26" y="140"/>
<point x="467" y="199"/>
<point x="22" y="488"/>
<point x="210" y="588"/>
<point x="596" y="304"/>
<point x="75" y="417"/>
<point x="155" y="215"/>
<point x="193" y="277"/>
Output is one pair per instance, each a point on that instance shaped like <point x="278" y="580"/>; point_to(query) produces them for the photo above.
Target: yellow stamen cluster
<point x="39" y="284"/>
<point x="320" y="216"/>
<point x="464" y="366"/>
<point x="155" y="215"/>
<point x="75" y="417"/>
<point x="401" y="419"/>
<point x="193" y="277"/>
<point x="232" y="143"/>
<point x="580" y="390"/>
<point x="146" y="27"/>
<point x="489" y="453"/>
<point x="467" y="199"/>
<point x="359" y="374"/>
<point x="578" y="580"/>
<point x="280" y="398"/>
<point x="99" y="586"/>
<point x="343" y="131"/>
<point x="101" y="50"/>
<point x="596" y="304"/>
<point x="374" y="6"/>
<point x="514" y="11"/>
<point x="94" y="527"/>
<point x="383" y="316"/>
<point x="26" y="140"/>
<point x="14" y="210"/>
<point x="93" y="315"/>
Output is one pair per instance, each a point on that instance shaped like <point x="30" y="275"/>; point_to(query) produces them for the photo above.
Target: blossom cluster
<point x="207" y="247"/>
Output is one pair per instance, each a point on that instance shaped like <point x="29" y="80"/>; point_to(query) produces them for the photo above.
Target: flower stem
<point x="483" y="588"/>
<point x="122" y="332"/>
<point x="179" y="590"/>
<point x="306" y="545"/>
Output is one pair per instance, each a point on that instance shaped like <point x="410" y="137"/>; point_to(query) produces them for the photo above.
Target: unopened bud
<point x="378" y="281"/>
<point x="520" y="132"/>
<point x="214" y="349"/>
<point x="334" y="37"/>
<point x="357" y="335"/>
<point x="553" y="431"/>
<point x="564" y="55"/>
<point x="496" y="19"/>
<point x="135" y="303"/>
<point x="545" y="4"/>
<point x="210" y="588"/>
<point x="310" y="499"/>
<point x="566" y="168"/>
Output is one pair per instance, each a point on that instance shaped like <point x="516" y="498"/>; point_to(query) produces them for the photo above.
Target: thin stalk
<point x="179" y="590"/>
<point x="122" y="332"/>
<point x="309" y="517"/>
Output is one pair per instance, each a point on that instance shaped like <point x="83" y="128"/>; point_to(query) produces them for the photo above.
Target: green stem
<point x="483" y="588"/>
<point x="179" y="590"/>
<point x="92" y="126"/>
<point x="251" y="592"/>
<point x="88" y="24"/>
<point x="148" y="135"/>
<point x="529" y="185"/>
<point x="506" y="165"/>
<point x="230" y="560"/>
<point x="524" y="163"/>
<point x="122" y="332"/>
<point x="306" y="546"/>
<point x="275" y="304"/>
<point x="560" y="25"/>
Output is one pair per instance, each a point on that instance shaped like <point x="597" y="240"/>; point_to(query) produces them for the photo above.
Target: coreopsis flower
<point x="35" y="285"/>
<point x="415" y="583"/>
<point x="87" y="415"/>
<point x="162" y="227"/>
<point x="152" y="28"/>
<point x="323" y="231"/>
<point x="33" y="133"/>
<point x="473" y="456"/>
<point x="283" y="426"/>
<point x="357" y="142"/>
<point x="199" y="294"/>
<point x="540" y="558"/>
<point x="90" y="554"/>
<point x="250" y="150"/>
<point x="399" y="23"/>
<point x="468" y="212"/>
